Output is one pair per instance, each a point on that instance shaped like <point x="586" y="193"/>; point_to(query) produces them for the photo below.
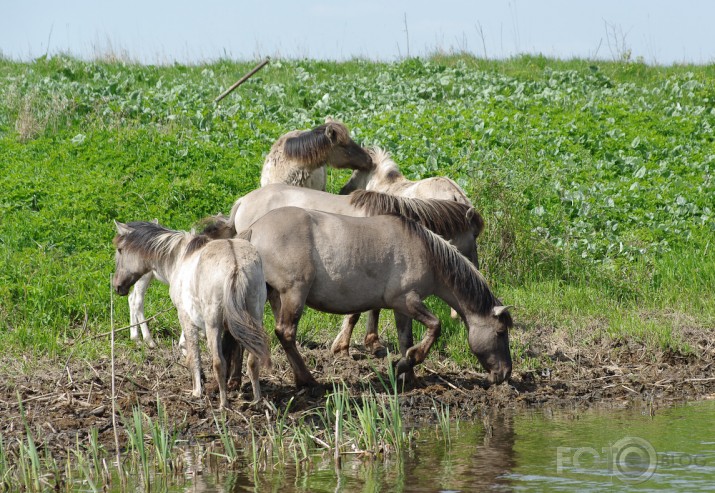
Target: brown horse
<point x="299" y="157"/>
<point x="217" y="286"/>
<point x="341" y="264"/>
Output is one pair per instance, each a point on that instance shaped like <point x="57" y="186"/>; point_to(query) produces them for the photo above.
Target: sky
<point x="163" y="32"/>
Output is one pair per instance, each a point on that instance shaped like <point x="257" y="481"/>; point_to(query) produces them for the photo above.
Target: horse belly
<point x="360" y="278"/>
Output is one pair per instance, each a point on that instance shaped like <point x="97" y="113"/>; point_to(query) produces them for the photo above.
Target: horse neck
<point x="471" y="306"/>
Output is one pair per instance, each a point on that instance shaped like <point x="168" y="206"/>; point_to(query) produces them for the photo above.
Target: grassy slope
<point x="595" y="179"/>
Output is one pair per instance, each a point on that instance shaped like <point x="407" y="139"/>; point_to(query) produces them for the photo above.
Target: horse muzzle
<point x="500" y="375"/>
<point x="121" y="288"/>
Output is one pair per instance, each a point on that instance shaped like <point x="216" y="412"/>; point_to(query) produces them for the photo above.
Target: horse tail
<point x="244" y="326"/>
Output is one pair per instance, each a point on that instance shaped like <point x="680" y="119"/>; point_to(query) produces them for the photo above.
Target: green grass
<point x="595" y="178"/>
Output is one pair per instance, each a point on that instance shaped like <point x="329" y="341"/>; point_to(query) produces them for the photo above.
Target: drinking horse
<point x="341" y="264"/>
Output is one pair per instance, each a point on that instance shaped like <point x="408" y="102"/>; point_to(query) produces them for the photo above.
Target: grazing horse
<point x="299" y="157"/>
<point x="457" y="222"/>
<point x="217" y="286"/>
<point x="341" y="264"/>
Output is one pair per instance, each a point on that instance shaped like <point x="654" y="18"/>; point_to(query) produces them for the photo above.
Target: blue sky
<point x="160" y="31"/>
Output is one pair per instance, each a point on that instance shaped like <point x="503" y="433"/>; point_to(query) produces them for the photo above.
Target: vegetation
<point x="595" y="178"/>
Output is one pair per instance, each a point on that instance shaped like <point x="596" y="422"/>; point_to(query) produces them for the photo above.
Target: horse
<point x="217" y="286"/>
<point x="299" y="157"/>
<point x="455" y="221"/>
<point x="341" y="264"/>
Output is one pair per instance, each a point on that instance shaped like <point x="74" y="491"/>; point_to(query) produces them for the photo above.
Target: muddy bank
<point x="64" y="399"/>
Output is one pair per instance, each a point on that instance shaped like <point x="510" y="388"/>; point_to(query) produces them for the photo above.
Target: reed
<point x="134" y="429"/>
<point x="163" y="437"/>
<point x="230" y="451"/>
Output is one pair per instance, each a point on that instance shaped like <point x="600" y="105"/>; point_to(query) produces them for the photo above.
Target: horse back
<point x="439" y="188"/>
<point x="265" y="199"/>
<point x="340" y="264"/>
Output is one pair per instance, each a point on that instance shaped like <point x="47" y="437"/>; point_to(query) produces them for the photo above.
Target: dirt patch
<point x="63" y="402"/>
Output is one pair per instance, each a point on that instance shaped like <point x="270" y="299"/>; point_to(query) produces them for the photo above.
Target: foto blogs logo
<point x="630" y="459"/>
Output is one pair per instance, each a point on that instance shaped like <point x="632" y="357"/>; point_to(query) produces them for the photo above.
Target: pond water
<point x="544" y="450"/>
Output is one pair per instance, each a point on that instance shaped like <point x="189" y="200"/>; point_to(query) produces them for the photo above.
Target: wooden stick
<point x="451" y="385"/>
<point x="114" y="394"/>
<point x="242" y="79"/>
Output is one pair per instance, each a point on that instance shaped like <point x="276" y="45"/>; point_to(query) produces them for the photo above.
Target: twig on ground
<point x="451" y="385"/>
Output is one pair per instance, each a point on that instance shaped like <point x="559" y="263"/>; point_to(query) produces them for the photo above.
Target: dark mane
<point x="313" y="146"/>
<point x="196" y="243"/>
<point x="455" y="269"/>
<point x="444" y="217"/>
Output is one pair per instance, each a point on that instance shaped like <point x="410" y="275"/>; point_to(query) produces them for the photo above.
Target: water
<point x="595" y="450"/>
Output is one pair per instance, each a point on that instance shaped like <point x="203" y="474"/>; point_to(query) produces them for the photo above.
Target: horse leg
<point x="417" y="354"/>
<point x="233" y="353"/>
<point x="193" y="355"/>
<point x="405" y="340"/>
<point x="252" y="368"/>
<point x="287" y="312"/>
<point x="218" y="362"/>
<point x="341" y="344"/>
<point x="372" y="340"/>
<point x="136" y="310"/>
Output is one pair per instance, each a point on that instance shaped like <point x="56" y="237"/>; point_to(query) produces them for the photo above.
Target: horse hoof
<point x="151" y="344"/>
<point x="404" y="365"/>
<point x="341" y="352"/>
<point x="378" y="351"/>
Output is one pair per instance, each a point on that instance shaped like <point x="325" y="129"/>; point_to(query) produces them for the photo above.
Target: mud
<point x="63" y="400"/>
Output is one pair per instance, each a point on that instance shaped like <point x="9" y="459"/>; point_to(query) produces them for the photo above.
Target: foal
<point x="217" y="286"/>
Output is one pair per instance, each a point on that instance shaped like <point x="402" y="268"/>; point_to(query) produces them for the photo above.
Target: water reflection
<point x="508" y="451"/>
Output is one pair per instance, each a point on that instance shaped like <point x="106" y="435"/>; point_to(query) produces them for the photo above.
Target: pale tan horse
<point x="216" y="286"/>
<point x="299" y="157"/>
<point x="341" y="264"/>
<point x="458" y="223"/>
<point x="385" y="176"/>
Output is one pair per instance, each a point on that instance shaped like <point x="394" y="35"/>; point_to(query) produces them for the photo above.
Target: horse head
<point x="129" y="265"/>
<point x="344" y="151"/>
<point x="489" y="341"/>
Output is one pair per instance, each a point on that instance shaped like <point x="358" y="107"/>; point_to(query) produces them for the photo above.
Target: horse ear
<point x="476" y="218"/>
<point x="122" y="228"/>
<point x="329" y="119"/>
<point x="330" y="131"/>
<point x="500" y="310"/>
